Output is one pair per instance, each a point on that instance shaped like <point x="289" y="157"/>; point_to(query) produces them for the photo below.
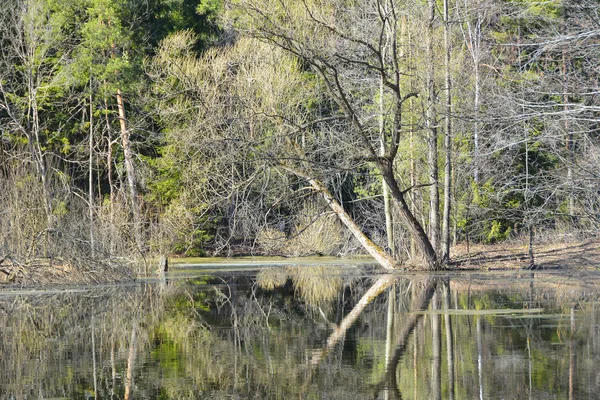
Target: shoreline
<point x="583" y="255"/>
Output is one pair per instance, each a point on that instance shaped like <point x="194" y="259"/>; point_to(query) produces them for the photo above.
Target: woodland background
<point x="139" y="127"/>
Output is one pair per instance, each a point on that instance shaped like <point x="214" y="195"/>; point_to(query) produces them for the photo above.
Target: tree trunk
<point x="384" y="259"/>
<point x="476" y="126"/>
<point x="416" y="230"/>
<point x="130" y="168"/>
<point x="389" y="224"/>
<point x="431" y="122"/>
<point x="569" y="144"/>
<point x="412" y="123"/>
<point x="475" y="34"/>
<point x="447" y="141"/>
<point x="37" y="154"/>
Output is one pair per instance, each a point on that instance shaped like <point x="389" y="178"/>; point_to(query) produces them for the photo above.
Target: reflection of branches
<point x="337" y="335"/>
<point x="340" y="331"/>
<point x="419" y="303"/>
<point x="268" y="312"/>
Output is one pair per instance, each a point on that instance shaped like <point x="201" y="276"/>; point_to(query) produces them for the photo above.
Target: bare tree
<point x="447" y="137"/>
<point x="344" y="47"/>
<point x="432" y="131"/>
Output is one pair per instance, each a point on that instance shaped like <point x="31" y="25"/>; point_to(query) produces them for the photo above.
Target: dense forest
<point x="130" y="128"/>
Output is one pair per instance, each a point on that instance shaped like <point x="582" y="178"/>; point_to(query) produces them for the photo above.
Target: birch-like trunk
<point x="384" y="259"/>
<point x="130" y="168"/>
<point x="431" y="122"/>
<point x="447" y="140"/>
<point x="569" y="133"/>
<point x="387" y="206"/>
<point x="111" y="186"/>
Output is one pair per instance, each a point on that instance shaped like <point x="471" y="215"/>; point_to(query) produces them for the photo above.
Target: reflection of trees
<point x="502" y="346"/>
<point x="225" y="338"/>
<point x="449" y="340"/>
<point x="421" y="296"/>
<point x="59" y="343"/>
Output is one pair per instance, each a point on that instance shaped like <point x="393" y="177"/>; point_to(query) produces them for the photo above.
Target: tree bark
<point x="384" y="259"/>
<point x="431" y="122"/>
<point x="130" y="168"/>
<point x="389" y="222"/>
<point x="447" y="140"/>
<point x="417" y="231"/>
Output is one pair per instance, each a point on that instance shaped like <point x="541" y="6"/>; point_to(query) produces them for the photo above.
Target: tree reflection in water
<point x="317" y="332"/>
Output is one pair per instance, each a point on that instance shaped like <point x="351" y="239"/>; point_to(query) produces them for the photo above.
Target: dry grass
<point x="271" y="278"/>
<point x="506" y="256"/>
<point x="42" y="272"/>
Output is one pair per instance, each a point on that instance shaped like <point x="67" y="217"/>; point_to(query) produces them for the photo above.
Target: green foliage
<point x="532" y="16"/>
<point x="165" y="185"/>
<point x="367" y="182"/>
<point x="497" y="232"/>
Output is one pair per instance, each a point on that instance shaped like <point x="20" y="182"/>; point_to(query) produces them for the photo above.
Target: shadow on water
<point x="306" y="331"/>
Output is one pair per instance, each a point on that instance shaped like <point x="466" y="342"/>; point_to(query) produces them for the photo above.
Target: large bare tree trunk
<point x="384" y="259"/>
<point x="431" y="122"/>
<point x="447" y="140"/>
<point x="387" y="206"/>
<point x="130" y="168"/>
<point x="416" y="230"/>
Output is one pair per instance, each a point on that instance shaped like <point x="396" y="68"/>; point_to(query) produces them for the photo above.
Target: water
<point x="306" y="332"/>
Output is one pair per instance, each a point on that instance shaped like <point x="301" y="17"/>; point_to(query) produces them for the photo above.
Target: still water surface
<point x="307" y="331"/>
